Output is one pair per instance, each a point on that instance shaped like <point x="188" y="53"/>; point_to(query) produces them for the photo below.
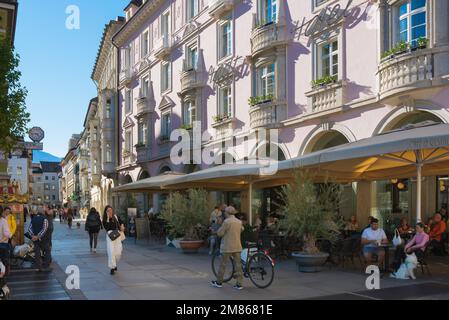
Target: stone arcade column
<point x="364" y="202"/>
<point x="439" y="34"/>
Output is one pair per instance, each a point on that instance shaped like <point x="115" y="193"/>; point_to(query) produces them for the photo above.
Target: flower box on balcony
<point x="187" y="126"/>
<point x="404" y="47"/>
<point x="322" y="82"/>
<point x="254" y="101"/>
<point x="220" y="118"/>
<point x="140" y="145"/>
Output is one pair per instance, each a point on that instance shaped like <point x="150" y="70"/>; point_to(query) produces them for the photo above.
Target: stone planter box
<point x="310" y="263"/>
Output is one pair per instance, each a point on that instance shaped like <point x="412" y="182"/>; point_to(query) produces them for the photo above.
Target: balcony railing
<point x="408" y="70"/>
<point x="268" y="114"/>
<point x="163" y="46"/>
<point x="268" y="36"/>
<point x="217" y="8"/>
<point x="326" y="97"/>
<point x="144" y="105"/>
<point x="191" y="78"/>
<point x="143" y="153"/>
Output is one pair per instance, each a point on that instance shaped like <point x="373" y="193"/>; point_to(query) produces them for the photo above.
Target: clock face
<point x="36" y="134"/>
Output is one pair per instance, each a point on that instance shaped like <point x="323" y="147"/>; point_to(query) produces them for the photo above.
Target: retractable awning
<point x="155" y="183"/>
<point x="415" y="150"/>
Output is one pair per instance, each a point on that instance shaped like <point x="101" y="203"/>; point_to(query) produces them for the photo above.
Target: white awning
<point x="150" y="184"/>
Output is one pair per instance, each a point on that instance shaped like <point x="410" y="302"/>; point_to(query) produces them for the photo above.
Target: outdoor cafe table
<point x="387" y="247"/>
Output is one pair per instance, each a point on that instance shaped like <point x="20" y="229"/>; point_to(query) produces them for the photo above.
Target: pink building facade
<point x="322" y="73"/>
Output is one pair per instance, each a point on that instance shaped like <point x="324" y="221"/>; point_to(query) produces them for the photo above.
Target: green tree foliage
<point x="187" y="214"/>
<point x="13" y="115"/>
<point x="310" y="210"/>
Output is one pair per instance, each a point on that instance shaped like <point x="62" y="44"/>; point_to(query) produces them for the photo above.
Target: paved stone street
<point x="158" y="272"/>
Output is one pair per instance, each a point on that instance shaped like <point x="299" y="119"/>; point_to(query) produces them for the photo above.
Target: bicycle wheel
<point x="230" y="266"/>
<point x="261" y="270"/>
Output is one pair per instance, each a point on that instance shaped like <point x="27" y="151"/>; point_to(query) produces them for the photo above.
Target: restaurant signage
<point x="228" y="71"/>
<point x="327" y="18"/>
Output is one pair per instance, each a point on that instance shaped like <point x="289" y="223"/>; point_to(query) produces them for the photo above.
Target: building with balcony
<point x="8" y="19"/>
<point x="320" y="72"/>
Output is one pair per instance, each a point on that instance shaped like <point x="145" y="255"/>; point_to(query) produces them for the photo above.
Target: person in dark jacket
<point x="50" y="217"/>
<point x="69" y="217"/>
<point x="93" y="226"/>
<point x="38" y="232"/>
<point x="112" y="222"/>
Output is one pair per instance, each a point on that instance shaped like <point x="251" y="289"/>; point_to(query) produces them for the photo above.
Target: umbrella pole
<point x="419" y="165"/>
<point x="250" y="203"/>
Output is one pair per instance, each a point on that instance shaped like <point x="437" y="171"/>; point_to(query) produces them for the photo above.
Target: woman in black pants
<point x="93" y="226"/>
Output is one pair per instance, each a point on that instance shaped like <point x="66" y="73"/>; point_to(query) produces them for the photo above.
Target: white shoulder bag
<point x="397" y="240"/>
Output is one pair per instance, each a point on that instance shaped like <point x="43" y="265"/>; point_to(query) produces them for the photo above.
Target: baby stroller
<point x="23" y="253"/>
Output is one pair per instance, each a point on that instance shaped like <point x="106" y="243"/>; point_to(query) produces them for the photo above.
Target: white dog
<point x="407" y="269"/>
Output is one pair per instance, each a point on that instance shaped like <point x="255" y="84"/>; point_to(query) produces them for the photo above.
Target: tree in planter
<point x="13" y="115"/>
<point x="187" y="214"/>
<point x="310" y="211"/>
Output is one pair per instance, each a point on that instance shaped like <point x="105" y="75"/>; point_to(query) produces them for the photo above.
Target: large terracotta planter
<point x="310" y="262"/>
<point x="190" y="246"/>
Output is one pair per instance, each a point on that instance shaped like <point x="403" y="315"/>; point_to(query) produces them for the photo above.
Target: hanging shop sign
<point x="327" y="18"/>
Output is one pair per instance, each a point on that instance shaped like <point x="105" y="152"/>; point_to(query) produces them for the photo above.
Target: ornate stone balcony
<point x="143" y="153"/>
<point x="144" y="106"/>
<point x="268" y="36"/>
<point x="410" y="70"/>
<point x="218" y="8"/>
<point x="268" y="114"/>
<point x="163" y="46"/>
<point x="126" y="76"/>
<point x="191" y="78"/>
<point x="326" y="97"/>
<point x="224" y="128"/>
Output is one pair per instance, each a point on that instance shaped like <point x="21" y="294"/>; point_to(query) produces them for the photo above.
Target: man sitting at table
<point x="436" y="235"/>
<point x="372" y="238"/>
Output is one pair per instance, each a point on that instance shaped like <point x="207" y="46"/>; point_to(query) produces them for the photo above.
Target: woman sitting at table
<point x="404" y="229"/>
<point x="352" y="225"/>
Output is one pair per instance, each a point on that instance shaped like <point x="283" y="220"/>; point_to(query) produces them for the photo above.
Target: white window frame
<point x="221" y="52"/>
<point x="108" y="153"/>
<point x="189" y="112"/>
<point x="166" y="127"/>
<point x="145" y="86"/>
<point x="165" y="15"/>
<point x="191" y="13"/>
<point x="222" y="99"/>
<point x="408" y="16"/>
<point x="191" y="63"/>
<point x="128" y="101"/>
<point x="263" y="76"/>
<point x="142" y="133"/>
<point x="332" y="53"/>
<point x="128" y="140"/>
<point x="166" y="79"/>
<point x="145" y="40"/>
<point x="263" y="11"/>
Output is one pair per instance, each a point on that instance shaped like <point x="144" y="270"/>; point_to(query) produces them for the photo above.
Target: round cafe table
<point x="387" y="247"/>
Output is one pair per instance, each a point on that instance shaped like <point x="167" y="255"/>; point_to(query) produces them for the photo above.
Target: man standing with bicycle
<point x="231" y="246"/>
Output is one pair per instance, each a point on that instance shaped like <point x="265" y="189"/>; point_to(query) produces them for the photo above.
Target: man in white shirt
<point x="372" y="239"/>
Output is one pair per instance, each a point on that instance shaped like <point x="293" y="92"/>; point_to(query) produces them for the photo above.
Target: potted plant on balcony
<point x="187" y="217"/>
<point x="309" y="215"/>
<point x="324" y="81"/>
<point x="253" y="101"/>
<point x="140" y="145"/>
<point x="187" y="126"/>
<point x="422" y="42"/>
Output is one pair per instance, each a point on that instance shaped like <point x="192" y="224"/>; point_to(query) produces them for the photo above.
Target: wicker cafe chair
<point x="422" y="263"/>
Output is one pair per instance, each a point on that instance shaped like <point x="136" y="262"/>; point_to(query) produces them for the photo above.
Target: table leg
<point x="387" y="259"/>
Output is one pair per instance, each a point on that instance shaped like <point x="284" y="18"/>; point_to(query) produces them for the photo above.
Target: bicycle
<point x="257" y="266"/>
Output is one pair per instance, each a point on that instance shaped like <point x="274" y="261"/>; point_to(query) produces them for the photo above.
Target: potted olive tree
<point x="187" y="217"/>
<point x="309" y="215"/>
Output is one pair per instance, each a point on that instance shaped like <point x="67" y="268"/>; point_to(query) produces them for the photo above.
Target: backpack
<point x="92" y="221"/>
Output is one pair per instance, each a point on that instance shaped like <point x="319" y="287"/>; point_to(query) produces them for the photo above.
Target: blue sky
<point x="56" y="63"/>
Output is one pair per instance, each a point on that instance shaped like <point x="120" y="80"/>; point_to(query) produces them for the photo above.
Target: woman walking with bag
<point x="114" y="236"/>
<point x="93" y="226"/>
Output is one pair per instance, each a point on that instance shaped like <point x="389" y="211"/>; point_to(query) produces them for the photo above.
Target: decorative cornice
<point x="144" y="13"/>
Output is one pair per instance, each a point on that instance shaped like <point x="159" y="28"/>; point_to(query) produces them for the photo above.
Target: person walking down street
<point x="231" y="246"/>
<point x="38" y="232"/>
<point x="112" y="223"/>
<point x="93" y="226"/>
<point x="70" y="217"/>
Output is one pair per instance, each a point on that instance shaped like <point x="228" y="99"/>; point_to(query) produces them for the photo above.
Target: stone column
<point x="364" y="202"/>
<point x="438" y="29"/>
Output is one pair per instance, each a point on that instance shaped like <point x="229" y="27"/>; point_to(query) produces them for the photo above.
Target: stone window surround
<point x="229" y="19"/>
<point x="170" y="77"/>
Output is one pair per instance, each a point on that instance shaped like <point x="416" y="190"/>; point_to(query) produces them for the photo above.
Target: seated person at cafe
<point x="428" y="225"/>
<point x="444" y="215"/>
<point x="370" y="219"/>
<point x="418" y="243"/>
<point x="404" y="228"/>
<point x="436" y="235"/>
<point x="372" y="238"/>
<point x="352" y="225"/>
